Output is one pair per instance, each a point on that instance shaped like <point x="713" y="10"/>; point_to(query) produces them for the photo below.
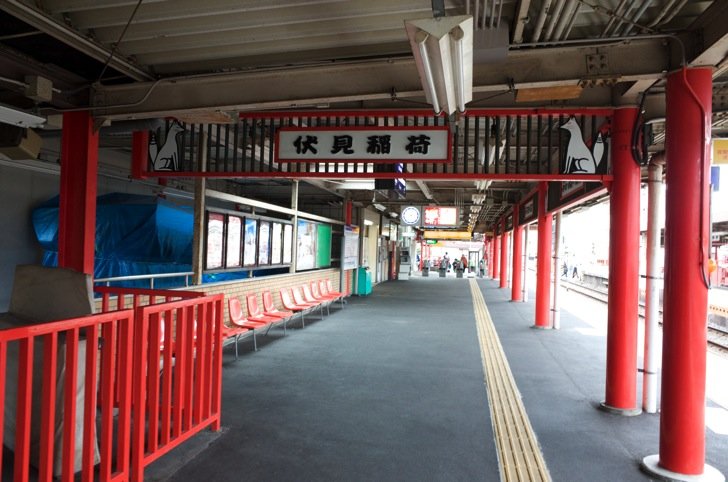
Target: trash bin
<point x="364" y="282"/>
<point x="442" y="272"/>
<point x="426" y="271"/>
<point x="458" y="273"/>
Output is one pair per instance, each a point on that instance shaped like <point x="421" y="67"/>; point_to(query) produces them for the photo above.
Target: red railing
<point x="186" y="397"/>
<point x="47" y="427"/>
<point x="118" y="298"/>
<point x="170" y="343"/>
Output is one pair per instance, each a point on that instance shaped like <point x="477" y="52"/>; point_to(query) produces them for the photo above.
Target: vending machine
<point x="405" y="265"/>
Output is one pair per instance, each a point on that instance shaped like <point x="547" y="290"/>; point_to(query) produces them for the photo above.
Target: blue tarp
<point x="135" y="235"/>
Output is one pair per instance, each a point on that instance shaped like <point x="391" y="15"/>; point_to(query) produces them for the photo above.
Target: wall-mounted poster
<point x="351" y="247"/>
<point x="264" y="243"/>
<point x="213" y="257"/>
<point x="250" y="242"/>
<point x="233" y="246"/>
<point x="306" y="252"/>
<point x="287" y="243"/>
<point x="276" y="243"/>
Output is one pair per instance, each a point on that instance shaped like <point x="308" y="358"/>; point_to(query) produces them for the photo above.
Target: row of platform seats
<point x="300" y="300"/>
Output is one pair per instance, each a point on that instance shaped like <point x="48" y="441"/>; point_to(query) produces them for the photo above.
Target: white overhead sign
<point x="366" y="144"/>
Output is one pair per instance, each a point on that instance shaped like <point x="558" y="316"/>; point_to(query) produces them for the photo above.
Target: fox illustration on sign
<point x="167" y="157"/>
<point x="579" y="159"/>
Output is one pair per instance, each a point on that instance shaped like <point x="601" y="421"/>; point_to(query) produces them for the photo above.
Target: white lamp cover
<point x="450" y="64"/>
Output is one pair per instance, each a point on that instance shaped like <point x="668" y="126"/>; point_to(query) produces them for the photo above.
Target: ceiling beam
<point x="160" y="26"/>
<point x="519" y="20"/>
<point x="81" y="5"/>
<point x="370" y="80"/>
<point x="707" y="38"/>
<point x="71" y="37"/>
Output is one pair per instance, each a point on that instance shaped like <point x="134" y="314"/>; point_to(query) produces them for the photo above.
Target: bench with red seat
<point x="269" y="309"/>
<point x="238" y="320"/>
<point x="327" y="290"/>
<point x="255" y="313"/>
<point x="309" y="302"/>
<point x="291" y="305"/>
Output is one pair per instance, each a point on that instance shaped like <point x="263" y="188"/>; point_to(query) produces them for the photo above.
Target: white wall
<point x="21" y="190"/>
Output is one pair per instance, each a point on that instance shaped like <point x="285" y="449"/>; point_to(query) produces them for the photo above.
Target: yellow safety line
<point x="519" y="454"/>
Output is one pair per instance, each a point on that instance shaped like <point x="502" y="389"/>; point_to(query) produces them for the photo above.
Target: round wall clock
<point x="410" y="215"/>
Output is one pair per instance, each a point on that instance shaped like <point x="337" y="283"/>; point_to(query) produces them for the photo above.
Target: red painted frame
<point x="365" y="128"/>
<point x="112" y="333"/>
<point x="142" y="172"/>
<point x="322" y="114"/>
<point x="188" y="398"/>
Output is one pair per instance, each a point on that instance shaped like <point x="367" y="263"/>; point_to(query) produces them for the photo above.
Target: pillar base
<point x="625" y="412"/>
<point x="537" y="327"/>
<point x="651" y="465"/>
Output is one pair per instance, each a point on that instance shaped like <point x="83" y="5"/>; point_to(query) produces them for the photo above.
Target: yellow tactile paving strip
<point x="519" y="454"/>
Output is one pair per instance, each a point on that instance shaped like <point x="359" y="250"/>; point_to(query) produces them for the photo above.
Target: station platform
<point x="392" y="388"/>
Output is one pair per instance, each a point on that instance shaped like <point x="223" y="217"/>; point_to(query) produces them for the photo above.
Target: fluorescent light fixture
<point x="458" y="60"/>
<point x="380" y="207"/>
<point x="16" y="117"/>
<point x="431" y="93"/>
<point x="478" y="198"/>
<point x="443" y="51"/>
<point x="482" y="185"/>
<point x="368" y="223"/>
<point x="357" y="184"/>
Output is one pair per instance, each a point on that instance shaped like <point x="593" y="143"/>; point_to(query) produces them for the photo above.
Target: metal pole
<point x="198" y="230"/>
<point x="652" y="292"/>
<point x="504" y="255"/>
<point x="556" y="310"/>
<point x="517" y="271"/>
<point x="543" y="260"/>
<point x="294" y="244"/>
<point x="624" y="235"/>
<point x="682" y="411"/>
<point x="624" y="242"/>
<point x="524" y="295"/>
<point x="496" y="257"/>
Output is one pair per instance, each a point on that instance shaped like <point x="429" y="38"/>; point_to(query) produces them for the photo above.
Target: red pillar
<point x="517" y="255"/>
<point x="491" y="260"/>
<point x="348" y="208"/>
<point x="496" y="257"/>
<point x="77" y="213"/>
<point x="139" y="154"/>
<point x="624" y="236"/>
<point x="543" y="261"/>
<point x="682" y="416"/>
<point x="504" y="255"/>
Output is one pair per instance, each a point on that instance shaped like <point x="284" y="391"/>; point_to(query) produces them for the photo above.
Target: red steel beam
<point x="77" y="213"/>
<point x="324" y="114"/>
<point x="389" y="175"/>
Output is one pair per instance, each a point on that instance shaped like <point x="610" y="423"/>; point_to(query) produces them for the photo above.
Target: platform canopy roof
<point x="208" y="61"/>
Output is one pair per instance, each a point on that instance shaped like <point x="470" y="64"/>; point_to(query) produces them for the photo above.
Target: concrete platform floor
<point x="392" y="388"/>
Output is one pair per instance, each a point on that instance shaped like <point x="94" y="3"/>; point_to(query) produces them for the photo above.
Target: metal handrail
<point x="150" y="277"/>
